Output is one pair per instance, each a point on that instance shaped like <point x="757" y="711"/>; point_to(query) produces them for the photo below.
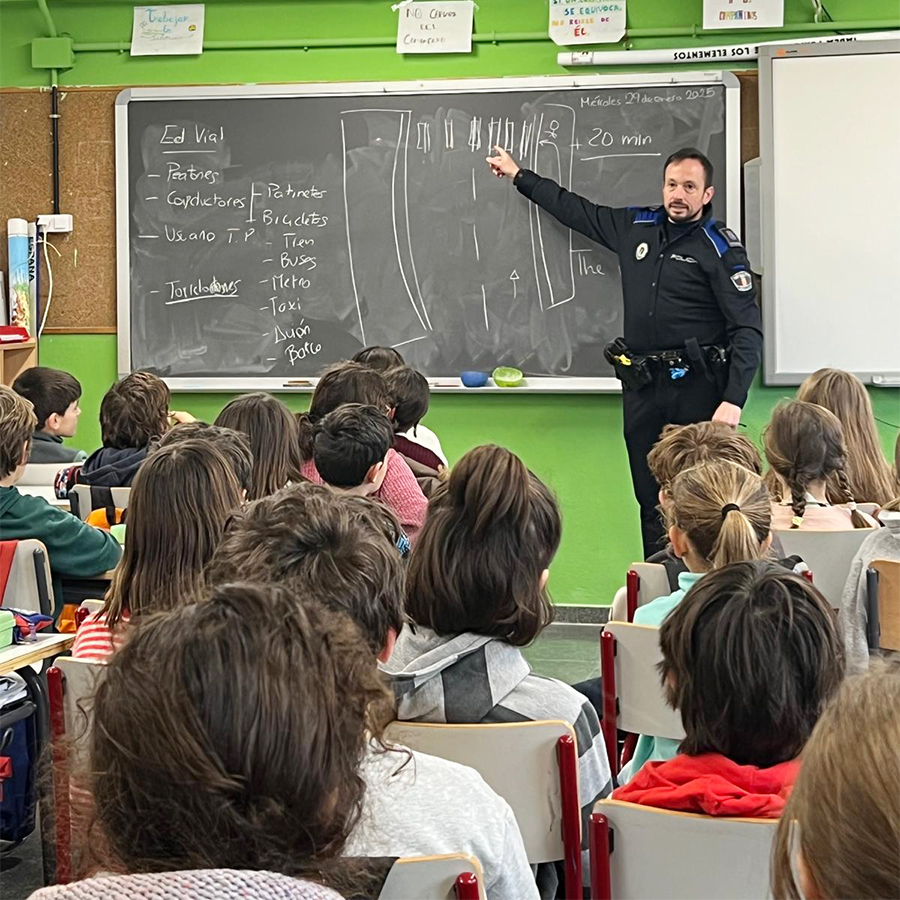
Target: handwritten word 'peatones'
<point x="176" y="172"/>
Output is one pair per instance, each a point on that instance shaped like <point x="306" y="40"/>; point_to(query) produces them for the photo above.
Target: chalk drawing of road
<point x="552" y="154"/>
<point x="375" y="144"/>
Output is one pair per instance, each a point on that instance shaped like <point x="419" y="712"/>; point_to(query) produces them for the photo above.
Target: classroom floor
<point x="570" y="653"/>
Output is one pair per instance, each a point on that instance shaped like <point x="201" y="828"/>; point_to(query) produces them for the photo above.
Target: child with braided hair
<point x="804" y="446"/>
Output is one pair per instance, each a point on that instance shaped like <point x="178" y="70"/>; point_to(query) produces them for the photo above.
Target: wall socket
<point x="61" y="223"/>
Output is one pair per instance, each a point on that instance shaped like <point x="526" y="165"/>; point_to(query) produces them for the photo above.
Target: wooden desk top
<point x="17" y="656"/>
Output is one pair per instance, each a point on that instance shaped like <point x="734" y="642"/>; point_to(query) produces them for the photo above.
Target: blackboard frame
<point x="732" y="193"/>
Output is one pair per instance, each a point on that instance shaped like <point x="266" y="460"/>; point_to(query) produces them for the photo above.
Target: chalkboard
<point x="264" y="232"/>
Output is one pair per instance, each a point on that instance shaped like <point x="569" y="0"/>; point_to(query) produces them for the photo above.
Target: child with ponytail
<point x="804" y="446"/>
<point x="718" y="513"/>
<point x="476" y="594"/>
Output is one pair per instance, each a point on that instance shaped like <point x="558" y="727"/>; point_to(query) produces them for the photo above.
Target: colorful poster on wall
<point x="442" y="26"/>
<point x="167" y="30"/>
<point x="743" y="13"/>
<point x="586" y="23"/>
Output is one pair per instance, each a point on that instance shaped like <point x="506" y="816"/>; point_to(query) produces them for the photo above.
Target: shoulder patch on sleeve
<point x="730" y="237"/>
<point x="742" y="280"/>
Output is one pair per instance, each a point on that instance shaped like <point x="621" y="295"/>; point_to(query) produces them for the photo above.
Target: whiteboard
<point x="830" y="167"/>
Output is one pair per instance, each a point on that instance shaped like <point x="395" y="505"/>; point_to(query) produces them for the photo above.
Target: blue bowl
<point x="474" y="379"/>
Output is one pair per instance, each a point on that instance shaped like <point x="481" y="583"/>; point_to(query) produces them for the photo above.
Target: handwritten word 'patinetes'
<point x="288" y="192"/>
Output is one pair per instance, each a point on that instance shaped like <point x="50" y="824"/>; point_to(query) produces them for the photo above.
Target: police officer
<point x="693" y="332"/>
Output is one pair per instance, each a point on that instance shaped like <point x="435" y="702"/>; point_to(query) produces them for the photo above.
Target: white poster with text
<point x="586" y="23"/>
<point x="743" y="13"/>
<point x="435" y="26"/>
<point x="167" y="30"/>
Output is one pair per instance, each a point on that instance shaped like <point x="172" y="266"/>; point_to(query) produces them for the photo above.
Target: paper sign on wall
<point x="167" y="30"/>
<point x="586" y="23"/>
<point x="442" y="26"/>
<point x="743" y="13"/>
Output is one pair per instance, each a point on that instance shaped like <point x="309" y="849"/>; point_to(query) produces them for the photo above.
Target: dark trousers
<point x="646" y="412"/>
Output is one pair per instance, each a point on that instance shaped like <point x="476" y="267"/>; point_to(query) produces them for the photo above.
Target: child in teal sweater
<point x="717" y="513"/>
<point x="75" y="549"/>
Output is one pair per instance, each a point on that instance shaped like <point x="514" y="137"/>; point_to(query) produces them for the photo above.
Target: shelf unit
<point x="15" y="359"/>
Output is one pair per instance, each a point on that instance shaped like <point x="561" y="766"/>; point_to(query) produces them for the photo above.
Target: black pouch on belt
<point x="698" y="359"/>
<point x="633" y="372"/>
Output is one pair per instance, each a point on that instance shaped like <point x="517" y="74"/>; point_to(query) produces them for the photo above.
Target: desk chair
<point x="633" y="698"/>
<point x="532" y="765"/>
<point x="883" y="604"/>
<point x="446" y="877"/>
<point x="828" y="555"/>
<point x="85" y="499"/>
<point x="71" y="684"/>
<point x="30" y="586"/>
<point x="643" y="853"/>
<point x="40" y="474"/>
<point x="643" y="582"/>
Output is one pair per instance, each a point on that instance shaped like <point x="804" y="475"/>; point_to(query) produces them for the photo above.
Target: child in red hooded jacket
<point x="751" y="656"/>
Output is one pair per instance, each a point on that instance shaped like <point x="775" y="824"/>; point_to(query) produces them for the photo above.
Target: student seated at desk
<point x="351" y="382"/>
<point x="804" y="445"/>
<point x="350" y="447"/>
<point x="75" y="549"/>
<point x="751" y="656"/>
<point x="339" y="550"/>
<point x="224" y="757"/>
<point x="181" y="499"/>
<point x="54" y="396"/>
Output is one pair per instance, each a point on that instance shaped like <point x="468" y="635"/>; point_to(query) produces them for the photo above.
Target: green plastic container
<point x="506" y="376"/>
<point x="7" y="623"/>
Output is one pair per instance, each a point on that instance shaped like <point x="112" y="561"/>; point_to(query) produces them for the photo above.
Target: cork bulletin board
<point x="84" y="270"/>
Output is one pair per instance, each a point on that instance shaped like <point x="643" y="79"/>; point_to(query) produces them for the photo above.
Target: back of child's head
<point x="840" y="830"/>
<point x="346" y="382"/>
<point x="409" y="395"/>
<point x="804" y="443"/>
<point x="380" y="358"/>
<point x="479" y="559"/>
<point x="724" y="510"/>
<point x="17" y="424"/>
<point x="272" y="430"/>
<point x="180" y="500"/>
<point x="233" y="445"/>
<point x="751" y="656"/>
<point x="49" y="390"/>
<point x="349" y="441"/>
<point x="683" y="446"/>
<point x="868" y="473"/>
<point x="229" y="734"/>
<point x="135" y="411"/>
<point x="339" y="548"/>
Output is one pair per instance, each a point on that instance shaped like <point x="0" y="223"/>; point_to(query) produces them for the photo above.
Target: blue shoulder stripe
<point x="715" y="238"/>
<point x="645" y="215"/>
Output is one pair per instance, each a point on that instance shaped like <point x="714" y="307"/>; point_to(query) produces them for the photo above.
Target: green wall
<point x="572" y="441"/>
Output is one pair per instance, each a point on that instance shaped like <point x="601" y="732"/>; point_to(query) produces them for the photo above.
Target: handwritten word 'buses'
<point x="177" y="134"/>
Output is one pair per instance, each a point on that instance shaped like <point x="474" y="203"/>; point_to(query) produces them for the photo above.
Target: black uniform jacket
<point x="698" y="285"/>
